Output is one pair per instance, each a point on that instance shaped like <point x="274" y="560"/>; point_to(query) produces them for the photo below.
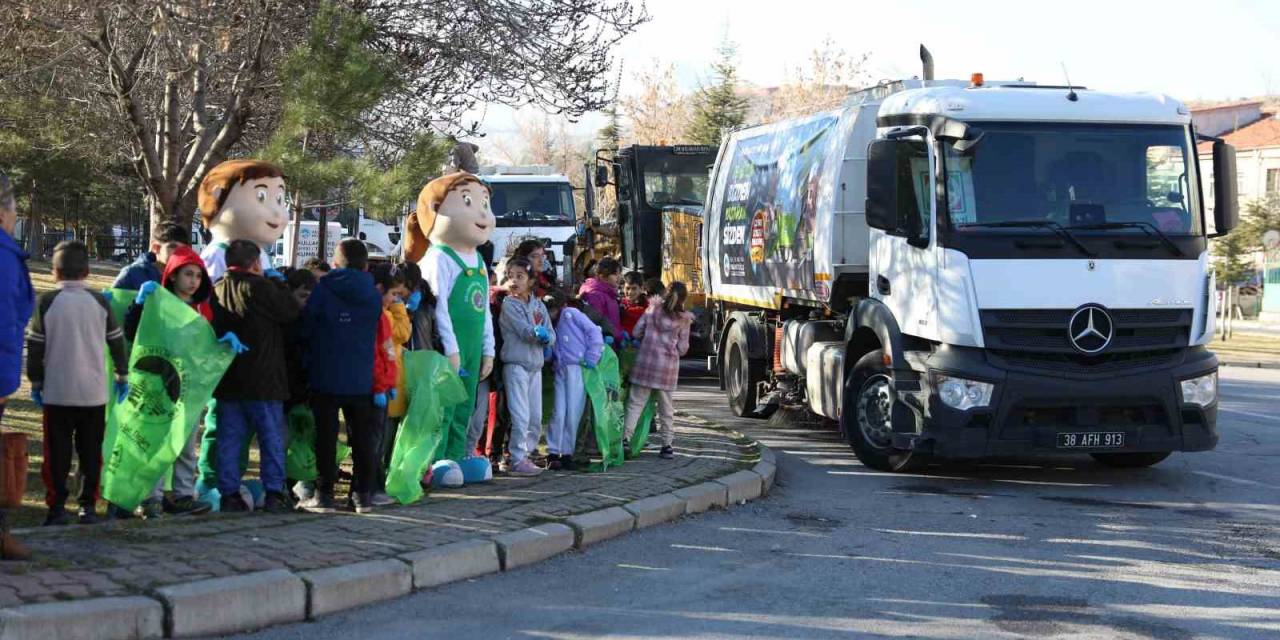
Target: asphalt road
<point x="1058" y="548"/>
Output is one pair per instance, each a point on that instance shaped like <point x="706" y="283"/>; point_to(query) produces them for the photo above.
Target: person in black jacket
<point x="252" y="392"/>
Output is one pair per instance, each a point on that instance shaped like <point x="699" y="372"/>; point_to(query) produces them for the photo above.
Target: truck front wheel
<point x="867" y="417"/>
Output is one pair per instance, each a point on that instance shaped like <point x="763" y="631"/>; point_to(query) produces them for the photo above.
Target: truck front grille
<point x="1044" y="331"/>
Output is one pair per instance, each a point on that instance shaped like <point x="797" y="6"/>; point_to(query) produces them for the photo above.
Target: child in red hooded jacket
<point x="386" y="373"/>
<point x="185" y="277"/>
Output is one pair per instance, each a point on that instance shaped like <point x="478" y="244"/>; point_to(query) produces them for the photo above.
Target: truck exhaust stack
<point x="926" y="59"/>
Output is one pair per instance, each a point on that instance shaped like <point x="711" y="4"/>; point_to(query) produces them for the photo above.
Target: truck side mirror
<point x="882" y="187"/>
<point x="602" y="176"/>
<point x="1226" y="205"/>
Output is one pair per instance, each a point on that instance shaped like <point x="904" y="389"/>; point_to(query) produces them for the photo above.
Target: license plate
<point x="1091" y="440"/>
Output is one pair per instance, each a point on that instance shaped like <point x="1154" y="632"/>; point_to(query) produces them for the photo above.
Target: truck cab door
<point x="903" y="256"/>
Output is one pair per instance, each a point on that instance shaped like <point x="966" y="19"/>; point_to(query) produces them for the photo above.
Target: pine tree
<point x="717" y="108"/>
<point x="1230" y="252"/>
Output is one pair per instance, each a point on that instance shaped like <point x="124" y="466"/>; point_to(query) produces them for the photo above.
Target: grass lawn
<point x="1248" y="347"/>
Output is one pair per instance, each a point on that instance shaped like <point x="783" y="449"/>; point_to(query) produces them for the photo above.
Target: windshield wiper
<point x="1033" y="224"/>
<point x="1147" y="228"/>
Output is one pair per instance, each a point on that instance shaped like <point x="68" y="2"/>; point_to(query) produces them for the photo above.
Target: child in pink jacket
<point x="663" y="332"/>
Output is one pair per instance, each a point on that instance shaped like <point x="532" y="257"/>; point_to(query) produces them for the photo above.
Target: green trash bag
<point x="604" y="393"/>
<point x="433" y="388"/>
<point x="627" y="362"/>
<point x="300" y="456"/>
<point x="174" y="366"/>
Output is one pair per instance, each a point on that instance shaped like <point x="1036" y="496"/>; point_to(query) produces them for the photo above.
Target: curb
<point x="252" y="601"/>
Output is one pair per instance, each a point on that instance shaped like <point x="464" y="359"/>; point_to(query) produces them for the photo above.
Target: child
<point x="663" y="332"/>
<point x="601" y="293"/>
<point x="633" y="301"/>
<point x="393" y="331"/>
<point x="579" y="343"/>
<point x="410" y="321"/>
<point x="527" y="339"/>
<point x="65" y="337"/>
<point x="341" y="322"/>
<point x="149" y="267"/>
<point x="252" y="392"/>
<point x="535" y="252"/>
<point x="185" y="277"/>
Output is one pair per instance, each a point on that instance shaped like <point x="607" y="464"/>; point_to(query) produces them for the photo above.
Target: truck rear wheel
<point x="867" y="417"/>
<point x="1130" y="460"/>
<point x="741" y="378"/>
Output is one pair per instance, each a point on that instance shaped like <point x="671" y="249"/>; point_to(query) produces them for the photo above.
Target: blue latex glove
<point x="547" y="352"/>
<point x="233" y="342"/>
<point x="275" y="275"/>
<point x="145" y="291"/>
<point x="540" y="332"/>
<point x="122" y="390"/>
<point x="626" y="338"/>
<point x="37" y="397"/>
<point x="463" y="373"/>
<point x="415" y="299"/>
<point x="380" y="400"/>
<point x="608" y="340"/>
<point x="106" y="293"/>
<point x="391" y="394"/>
<point x="588" y="364"/>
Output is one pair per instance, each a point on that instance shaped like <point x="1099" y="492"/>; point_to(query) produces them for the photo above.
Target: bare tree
<point x="657" y="113"/>
<point x="822" y="83"/>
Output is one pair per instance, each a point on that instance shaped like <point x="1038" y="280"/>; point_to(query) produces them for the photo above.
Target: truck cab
<point x="533" y="202"/>
<point x="1000" y="269"/>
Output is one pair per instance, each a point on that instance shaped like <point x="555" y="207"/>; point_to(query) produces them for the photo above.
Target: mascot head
<point x="453" y="210"/>
<point x="244" y="200"/>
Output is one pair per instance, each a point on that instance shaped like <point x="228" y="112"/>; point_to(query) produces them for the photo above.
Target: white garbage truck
<point x="965" y="269"/>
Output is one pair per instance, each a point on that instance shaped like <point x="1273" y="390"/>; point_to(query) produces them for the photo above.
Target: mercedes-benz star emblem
<point x="1090" y="329"/>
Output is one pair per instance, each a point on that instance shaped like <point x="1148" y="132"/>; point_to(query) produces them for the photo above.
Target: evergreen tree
<point x="718" y="108"/>
<point x="1230" y="253"/>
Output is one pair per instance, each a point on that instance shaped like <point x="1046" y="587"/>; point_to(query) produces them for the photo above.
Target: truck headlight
<point x="1201" y="391"/>
<point x="959" y="393"/>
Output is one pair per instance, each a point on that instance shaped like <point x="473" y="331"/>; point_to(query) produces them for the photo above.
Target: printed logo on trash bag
<point x="155" y="386"/>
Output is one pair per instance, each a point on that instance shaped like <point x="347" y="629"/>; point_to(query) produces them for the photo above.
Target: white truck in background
<point x="533" y="202"/>
<point x="966" y="269"/>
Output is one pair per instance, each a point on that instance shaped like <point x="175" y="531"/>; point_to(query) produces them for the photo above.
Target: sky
<point x="1206" y="50"/>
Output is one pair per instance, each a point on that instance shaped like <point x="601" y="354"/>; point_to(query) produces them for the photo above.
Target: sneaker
<point x="667" y="453"/>
<point x="554" y="462"/>
<point x="525" y="469"/>
<point x="87" y="515"/>
<point x="234" y="504"/>
<point x="362" y="503"/>
<point x="567" y="463"/>
<point x="57" y="518"/>
<point x="118" y="513"/>
<point x="319" y="502"/>
<point x="304" y="490"/>
<point x="152" y="509"/>
<point x="381" y="499"/>
<point x="186" y="505"/>
<point x="276" y="503"/>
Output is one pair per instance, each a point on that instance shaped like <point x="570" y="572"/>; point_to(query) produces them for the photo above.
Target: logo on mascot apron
<point x="477" y="295"/>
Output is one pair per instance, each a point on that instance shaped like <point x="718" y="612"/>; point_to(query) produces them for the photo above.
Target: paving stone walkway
<point x="133" y="557"/>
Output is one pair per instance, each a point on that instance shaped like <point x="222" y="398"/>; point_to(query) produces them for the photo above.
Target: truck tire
<point x="866" y="420"/>
<point x="1130" y="460"/>
<point x="741" y="376"/>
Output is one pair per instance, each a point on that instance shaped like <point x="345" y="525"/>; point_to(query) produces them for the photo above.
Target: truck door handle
<point x="882" y="285"/>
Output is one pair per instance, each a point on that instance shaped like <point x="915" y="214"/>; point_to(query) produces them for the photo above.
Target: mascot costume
<point x="239" y="199"/>
<point x="452" y="220"/>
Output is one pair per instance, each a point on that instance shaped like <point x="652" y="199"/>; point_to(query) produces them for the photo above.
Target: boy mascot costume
<point x="451" y="221"/>
<point x="239" y="199"/>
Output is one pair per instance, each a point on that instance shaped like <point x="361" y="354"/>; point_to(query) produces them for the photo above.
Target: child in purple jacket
<point x="579" y="343"/>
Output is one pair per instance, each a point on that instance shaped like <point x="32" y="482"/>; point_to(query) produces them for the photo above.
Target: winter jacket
<point x="664" y="338"/>
<point x="518" y="321"/>
<point x="577" y="339"/>
<point x="603" y="297"/>
<point x="182" y="257"/>
<point x="68" y="330"/>
<point x="631" y="313"/>
<point x="256" y="309"/>
<point x="341" y="322"/>
<point x="17" y="301"/>
<point x="401" y="333"/>
<point x="384" y="357"/>
<point x="144" y="269"/>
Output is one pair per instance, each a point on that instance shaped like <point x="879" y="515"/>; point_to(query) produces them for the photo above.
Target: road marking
<point x="1250" y="414"/>
<point x="953" y="534"/>
<point x="802" y="534"/>
<point x="694" y="547"/>
<point x="641" y="567"/>
<point x="1219" y="476"/>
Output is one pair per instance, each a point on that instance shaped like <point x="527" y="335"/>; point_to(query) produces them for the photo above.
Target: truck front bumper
<point x="1032" y="405"/>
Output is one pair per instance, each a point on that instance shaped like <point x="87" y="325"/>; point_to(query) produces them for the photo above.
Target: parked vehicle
<point x="965" y="269"/>
<point x="532" y="201"/>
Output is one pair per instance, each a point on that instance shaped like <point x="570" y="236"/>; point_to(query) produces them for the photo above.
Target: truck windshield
<point x="675" y="180"/>
<point x="531" y="204"/>
<point x="1099" y="178"/>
